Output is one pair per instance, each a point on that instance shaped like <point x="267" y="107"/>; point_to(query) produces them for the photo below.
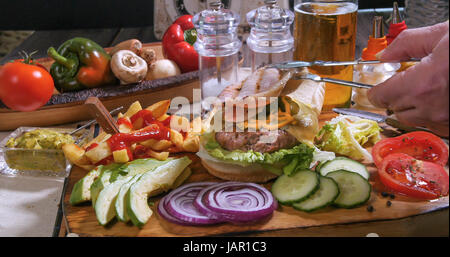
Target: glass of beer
<point x="326" y="30"/>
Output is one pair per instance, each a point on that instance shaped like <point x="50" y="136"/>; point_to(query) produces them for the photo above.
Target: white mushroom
<point x="128" y="67"/>
<point x="162" y="69"/>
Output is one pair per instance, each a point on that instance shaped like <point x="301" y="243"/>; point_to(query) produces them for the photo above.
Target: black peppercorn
<point x="384" y="194"/>
<point x="388" y="203"/>
<point x="392" y="196"/>
<point x="370" y="208"/>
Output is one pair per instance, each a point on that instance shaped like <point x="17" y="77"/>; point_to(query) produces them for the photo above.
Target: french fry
<point x="191" y="143"/>
<point x="159" y="109"/>
<point x="102" y="137"/>
<point x="75" y="154"/>
<point x="125" y="128"/>
<point x="176" y="138"/>
<point x="180" y="123"/>
<point x="133" y="109"/>
<point x="162" y="156"/>
<point x="163" y="117"/>
<point x="99" y="152"/>
<point x="157" y="145"/>
<point x="121" y="156"/>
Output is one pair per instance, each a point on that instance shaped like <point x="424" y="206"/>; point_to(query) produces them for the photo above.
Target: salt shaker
<point x="218" y="47"/>
<point x="270" y="40"/>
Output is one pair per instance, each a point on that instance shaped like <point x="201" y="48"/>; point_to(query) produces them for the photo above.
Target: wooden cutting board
<point x="285" y="220"/>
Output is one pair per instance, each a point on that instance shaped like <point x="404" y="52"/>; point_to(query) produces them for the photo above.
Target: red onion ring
<point x="178" y="206"/>
<point x="235" y="202"/>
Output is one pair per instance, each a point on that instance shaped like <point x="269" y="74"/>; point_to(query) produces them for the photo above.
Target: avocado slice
<point x="81" y="190"/>
<point x="104" y="206"/>
<point x="162" y="178"/>
<point x="138" y="166"/>
<point x="102" y="180"/>
<point x="105" y="203"/>
<point x="120" y="204"/>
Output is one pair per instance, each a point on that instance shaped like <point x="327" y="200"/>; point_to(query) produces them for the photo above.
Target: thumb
<point x="414" y="43"/>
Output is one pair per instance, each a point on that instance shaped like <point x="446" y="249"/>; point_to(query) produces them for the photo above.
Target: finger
<point x="410" y="118"/>
<point x="414" y="43"/>
<point x="395" y="89"/>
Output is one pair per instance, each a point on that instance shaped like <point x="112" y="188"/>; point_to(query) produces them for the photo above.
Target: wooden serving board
<point x="285" y="220"/>
<point x="68" y="107"/>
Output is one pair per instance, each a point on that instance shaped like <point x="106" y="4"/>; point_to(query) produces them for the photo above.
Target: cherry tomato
<point x="25" y="87"/>
<point x="420" y="145"/>
<point x="419" y="179"/>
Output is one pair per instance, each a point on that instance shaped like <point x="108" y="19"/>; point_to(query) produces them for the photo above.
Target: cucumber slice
<point x="81" y="190"/>
<point x="342" y="163"/>
<point x="295" y="188"/>
<point x="327" y="193"/>
<point x="354" y="189"/>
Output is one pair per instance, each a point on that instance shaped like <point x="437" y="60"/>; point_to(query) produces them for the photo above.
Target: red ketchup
<point x="152" y="130"/>
<point x="124" y="121"/>
<point x="91" y="146"/>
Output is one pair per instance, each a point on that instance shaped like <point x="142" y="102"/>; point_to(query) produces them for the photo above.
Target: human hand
<point x="419" y="96"/>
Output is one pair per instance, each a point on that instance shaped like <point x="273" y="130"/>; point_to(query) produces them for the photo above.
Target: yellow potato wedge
<point x="176" y="138"/>
<point x="162" y="156"/>
<point x="180" y="123"/>
<point x="133" y="109"/>
<point x="99" y="152"/>
<point x="196" y="125"/>
<point x="163" y="117"/>
<point x="159" y="109"/>
<point x="121" y="156"/>
<point x="157" y="145"/>
<point x="102" y="137"/>
<point x="191" y="143"/>
<point x="75" y="154"/>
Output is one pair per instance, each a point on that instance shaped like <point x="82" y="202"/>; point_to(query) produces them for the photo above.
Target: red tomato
<point x="420" y="145"/>
<point x="415" y="178"/>
<point x="25" y="87"/>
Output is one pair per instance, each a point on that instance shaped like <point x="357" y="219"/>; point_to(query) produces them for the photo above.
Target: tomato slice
<point x="420" y="145"/>
<point x="419" y="179"/>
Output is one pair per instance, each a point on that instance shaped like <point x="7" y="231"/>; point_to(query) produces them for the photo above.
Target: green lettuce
<point x="286" y="161"/>
<point x="346" y="135"/>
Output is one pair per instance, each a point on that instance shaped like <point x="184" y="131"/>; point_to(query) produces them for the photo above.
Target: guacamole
<point x="40" y="139"/>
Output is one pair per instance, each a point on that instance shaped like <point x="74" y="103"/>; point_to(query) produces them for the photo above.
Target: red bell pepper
<point x="178" y="44"/>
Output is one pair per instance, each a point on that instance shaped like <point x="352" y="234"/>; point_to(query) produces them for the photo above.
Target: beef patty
<point x="261" y="141"/>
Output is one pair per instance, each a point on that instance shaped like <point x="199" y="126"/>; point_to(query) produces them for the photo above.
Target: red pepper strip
<point x="178" y="44"/>
<point x="374" y="45"/>
<point x="394" y="30"/>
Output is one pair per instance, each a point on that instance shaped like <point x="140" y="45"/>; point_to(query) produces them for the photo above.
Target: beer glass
<point x="326" y="30"/>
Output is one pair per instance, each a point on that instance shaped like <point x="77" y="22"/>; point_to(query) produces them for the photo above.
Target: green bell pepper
<point x="80" y="63"/>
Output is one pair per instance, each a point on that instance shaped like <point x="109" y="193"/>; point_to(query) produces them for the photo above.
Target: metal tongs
<point x="317" y="78"/>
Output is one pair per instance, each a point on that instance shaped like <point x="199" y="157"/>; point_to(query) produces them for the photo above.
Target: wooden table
<point x="432" y="224"/>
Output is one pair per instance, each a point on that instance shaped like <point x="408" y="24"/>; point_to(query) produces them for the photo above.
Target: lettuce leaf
<point x="346" y="135"/>
<point x="284" y="160"/>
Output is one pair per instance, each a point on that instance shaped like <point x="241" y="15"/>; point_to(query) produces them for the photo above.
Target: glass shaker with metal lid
<point x="218" y="46"/>
<point x="270" y="39"/>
